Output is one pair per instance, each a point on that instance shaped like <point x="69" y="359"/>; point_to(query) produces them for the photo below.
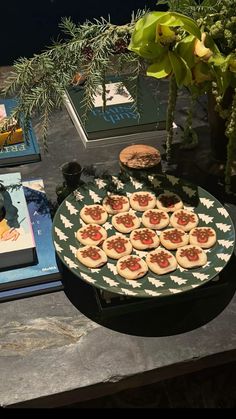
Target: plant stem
<point x="190" y="138"/>
<point x="172" y="98"/>
<point x="231" y="147"/>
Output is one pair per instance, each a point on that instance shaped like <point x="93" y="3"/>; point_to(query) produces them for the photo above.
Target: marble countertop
<point x="53" y="348"/>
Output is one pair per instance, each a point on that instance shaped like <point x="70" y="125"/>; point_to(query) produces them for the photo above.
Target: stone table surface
<point x="53" y="348"/>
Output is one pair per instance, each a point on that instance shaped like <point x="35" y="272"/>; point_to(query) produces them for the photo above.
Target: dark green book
<point x="120" y="120"/>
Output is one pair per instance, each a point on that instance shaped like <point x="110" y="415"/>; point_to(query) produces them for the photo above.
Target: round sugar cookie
<point x="205" y="237"/>
<point x="114" y="204"/>
<point x="117" y="246"/>
<point x="91" y="234"/>
<point x="144" y="238"/>
<point x="91" y="256"/>
<point x="191" y="256"/>
<point x="161" y="261"/>
<point x="155" y="219"/>
<point x="169" y="201"/>
<point x="125" y="222"/>
<point x="131" y="267"/>
<point x="93" y="214"/>
<point x="172" y="238"/>
<point x="184" y="219"/>
<point x="141" y="201"/>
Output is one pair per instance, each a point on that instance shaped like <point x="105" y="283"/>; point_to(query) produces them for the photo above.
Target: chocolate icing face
<point x="118" y="244"/>
<point x="95" y="212"/>
<point x="154" y="217"/>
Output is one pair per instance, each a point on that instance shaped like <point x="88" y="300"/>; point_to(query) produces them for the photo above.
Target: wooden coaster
<point x="140" y="156"/>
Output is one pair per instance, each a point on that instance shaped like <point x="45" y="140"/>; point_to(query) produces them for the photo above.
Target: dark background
<point x="27" y="27"/>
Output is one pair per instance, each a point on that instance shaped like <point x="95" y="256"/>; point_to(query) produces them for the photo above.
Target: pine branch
<point x="39" y="82"/>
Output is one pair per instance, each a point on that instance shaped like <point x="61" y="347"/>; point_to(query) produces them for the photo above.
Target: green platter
<point x="210" y="211"/>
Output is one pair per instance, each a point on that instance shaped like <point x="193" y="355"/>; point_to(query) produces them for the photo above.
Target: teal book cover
<point x="120" y="116"/>
<point x="21" y="153"/>
<point x="17" y="244"/>
<point x="44" y="274"/>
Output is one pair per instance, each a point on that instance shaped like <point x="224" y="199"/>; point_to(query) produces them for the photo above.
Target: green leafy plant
<point x="193" y="44"/>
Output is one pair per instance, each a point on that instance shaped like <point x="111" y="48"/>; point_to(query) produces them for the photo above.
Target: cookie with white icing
<point x="155" y="219"/>
<point x="161" y="261"/>
<point x="205" y="237"/>
<point x="117" y="246"/>
<point x="184" y="219"/>
<point x="93" y="214"/>
<point x="131" y="267"/>
<point x="91" y="256"/>
<point x="172" y="238"/>
<point x="141" y="201"/>
<point x="144" y="238"/>
<point x="91" y="234"/>
<point x="115" y="204"/>
<point x="191" y="256"/>
<point x="125" y="222"/>
<point x="169" y="201"/>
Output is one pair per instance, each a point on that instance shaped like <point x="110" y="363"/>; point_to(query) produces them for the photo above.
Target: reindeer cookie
<point x="144" y="238"/>
<point x="155" y="219"/>
<point x="91" y="256"/>
<point x="205" y="237"/>
<point x="172" y="238"/>
<point x="161" y="261"/>
<point x="117" y="246"/>
<point x="141" y="201"/>
<point x="91" y="234"/>
<point x="114" y="204"/>
<point x="169" y="202"/>
<point x="184" y="219"/>
<point x="125" y="222"/>
<point x="93" y="214"/>
<point x="191" y="256"/>
<point x="131" y="267"/>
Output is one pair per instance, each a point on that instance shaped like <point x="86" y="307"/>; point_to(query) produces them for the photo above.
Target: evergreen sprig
<point x="90" y="48"/>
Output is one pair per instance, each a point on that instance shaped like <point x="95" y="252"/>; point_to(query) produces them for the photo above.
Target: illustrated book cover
<point x="17" y="244"/>
<point x="18" y="152"/>
<point x="120" y="122"/>
<point x="44" y="274"/>
<point x="7" y="126"/>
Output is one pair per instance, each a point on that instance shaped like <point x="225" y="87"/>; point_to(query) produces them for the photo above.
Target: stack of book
<point x="28" y="264"/>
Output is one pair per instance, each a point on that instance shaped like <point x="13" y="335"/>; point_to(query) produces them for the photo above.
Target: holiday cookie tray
<point x="209" y="210"/>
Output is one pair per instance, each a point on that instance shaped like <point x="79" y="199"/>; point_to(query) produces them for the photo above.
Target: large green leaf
<point x="149" y="51"/>
<point x="185" y="49"/>
<point x="180" y="69"/>
<point x="177" y="19"/>
<point x="160" y="69"/>
<point x="145" y="28"/>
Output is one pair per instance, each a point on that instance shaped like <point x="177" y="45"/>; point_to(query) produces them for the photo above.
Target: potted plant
<point x="185" y="44"/>
<point x="204" y="62"/>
